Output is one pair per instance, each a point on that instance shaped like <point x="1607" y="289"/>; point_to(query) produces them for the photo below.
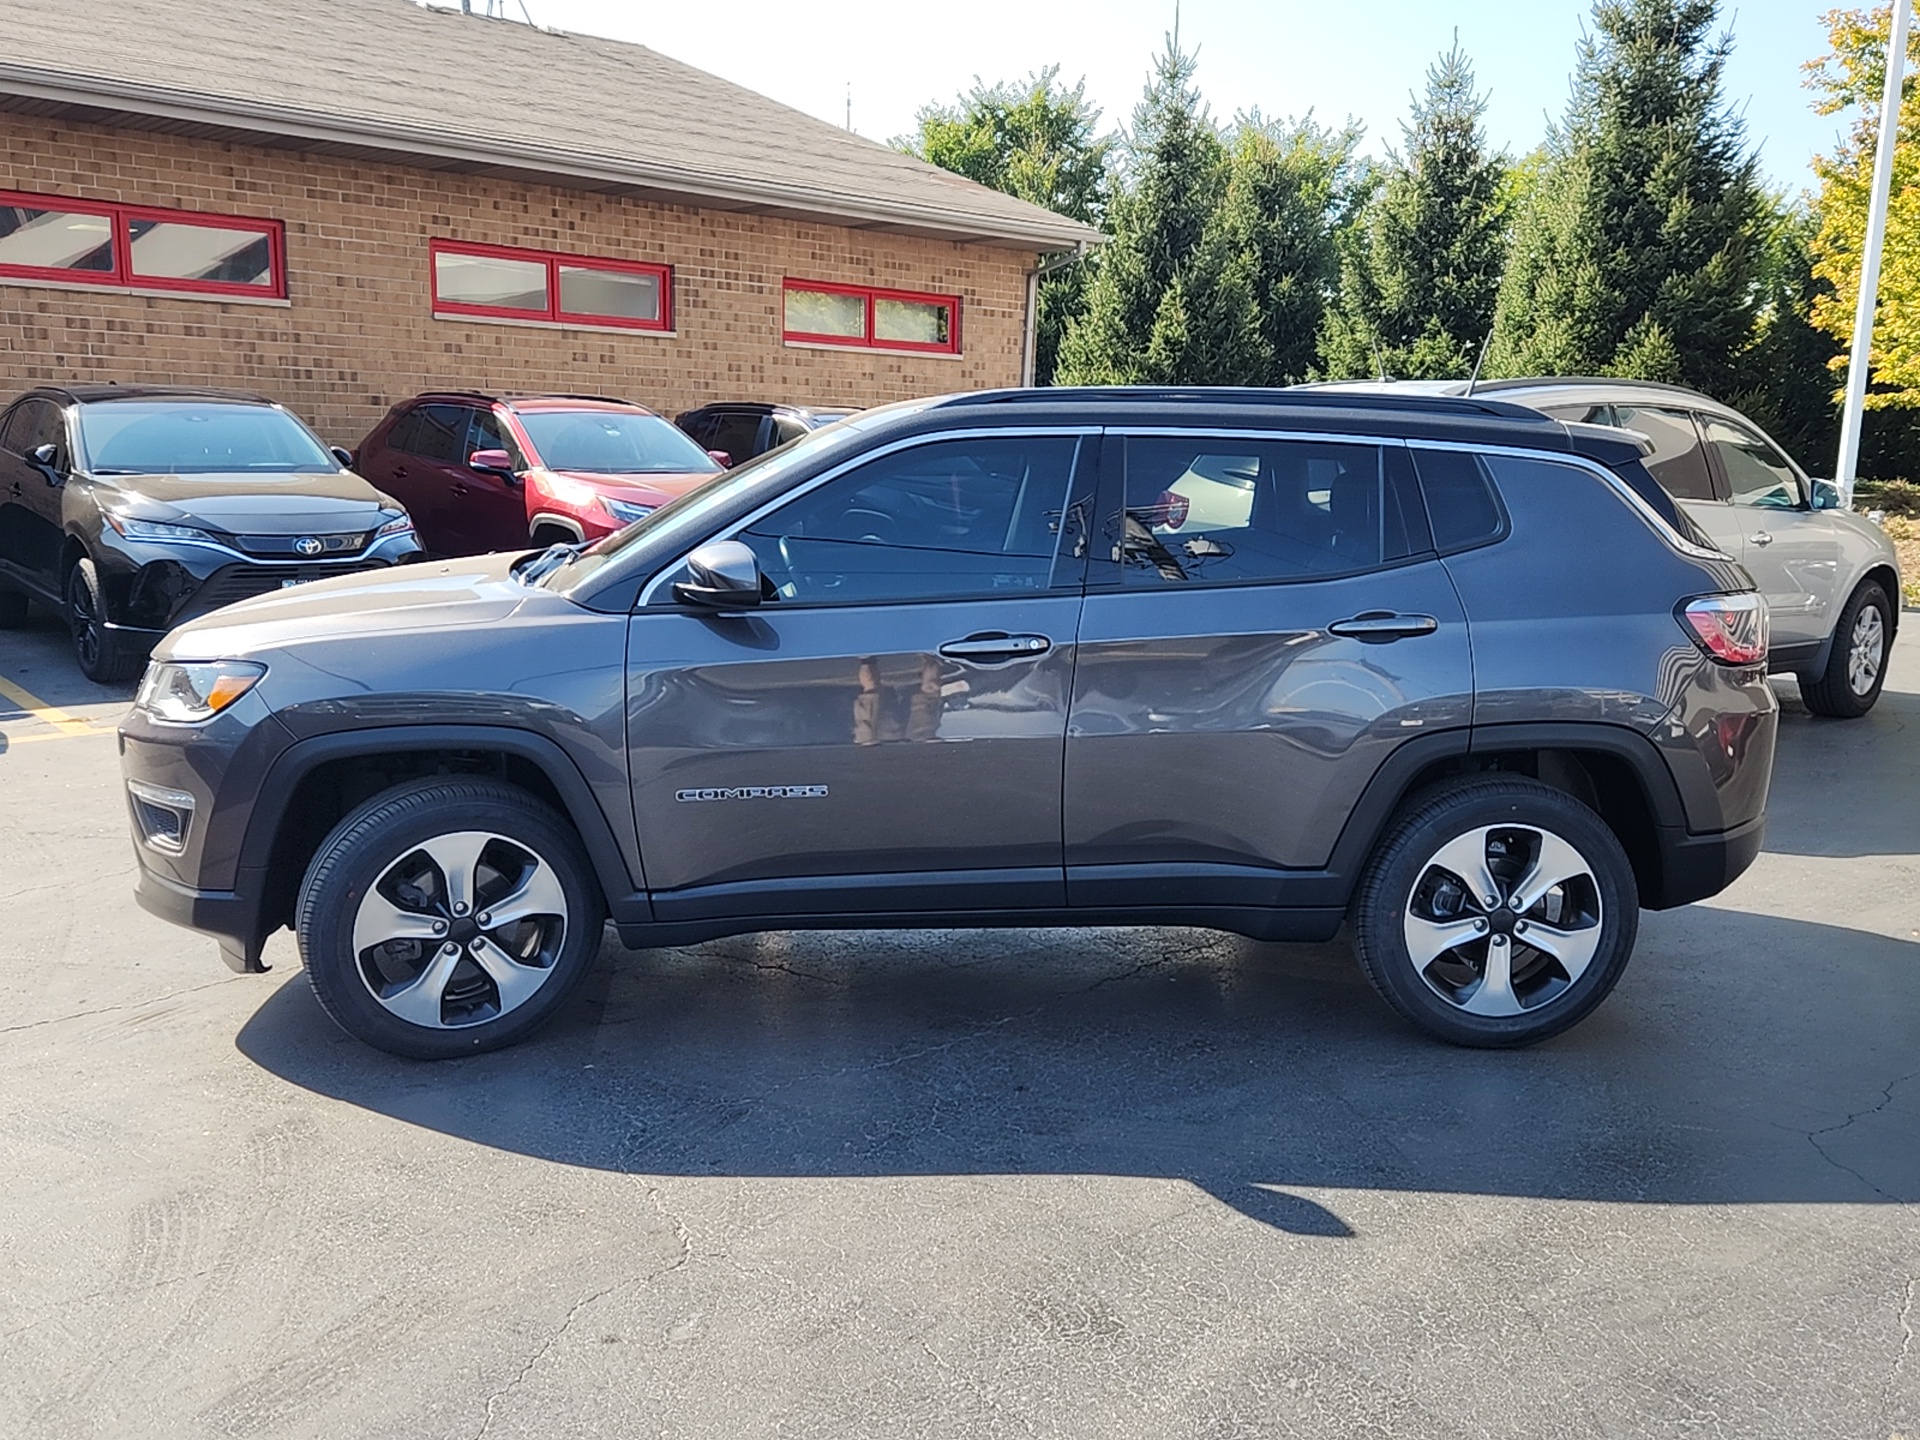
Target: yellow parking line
<point x="7" y="742"/>
<point x="63" y="722"/>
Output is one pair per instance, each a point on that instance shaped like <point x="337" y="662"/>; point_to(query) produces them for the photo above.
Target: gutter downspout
<point x="1030" y="335"/>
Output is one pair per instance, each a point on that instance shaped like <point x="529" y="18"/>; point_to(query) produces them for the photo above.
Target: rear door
<point x="1679" y="462"/>
<point x="1792" y="549"/>
<point x="884" y="733"/>
<point x="1266" y="622"/>
<point x="31" y="528"/>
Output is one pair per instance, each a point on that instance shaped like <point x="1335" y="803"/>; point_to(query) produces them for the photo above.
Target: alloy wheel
<point x="461" y="930"/>
<point x="84" y="619"/>
<point x="1866" y="650"/>
<point x="1503" y="920"/>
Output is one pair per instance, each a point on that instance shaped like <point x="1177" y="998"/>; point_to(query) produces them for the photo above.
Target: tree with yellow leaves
<point x="1852" y="78"/>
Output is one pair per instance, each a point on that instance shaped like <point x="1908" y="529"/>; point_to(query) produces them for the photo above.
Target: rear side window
<point x="1677" y="461"/>
<point x="1216" y="509"/>
<point x="433" y="432"/>
<point x="1462" y="505"/>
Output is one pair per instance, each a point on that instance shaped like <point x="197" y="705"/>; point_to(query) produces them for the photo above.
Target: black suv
<point x="744" y="429"/>
<point x="135" y="508"/>
<point x="1265" y="661"/>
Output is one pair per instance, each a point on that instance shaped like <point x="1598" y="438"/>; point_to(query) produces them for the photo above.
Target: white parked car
<point x="1831" y="577"/>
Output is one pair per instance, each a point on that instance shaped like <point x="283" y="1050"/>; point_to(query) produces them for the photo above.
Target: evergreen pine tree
<point x="1420" y="272"/>
<point x="1175" y="174"/>
<point x="1641" y="244"/>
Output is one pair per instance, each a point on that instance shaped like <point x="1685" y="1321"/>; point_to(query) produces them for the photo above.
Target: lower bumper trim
<point x="229" y="916"/>
<point x="1694" y="867"/>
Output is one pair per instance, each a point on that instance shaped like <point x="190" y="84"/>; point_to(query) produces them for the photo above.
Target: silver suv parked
<point x="1452" y="671"/>
<point x="1831" y="577"/>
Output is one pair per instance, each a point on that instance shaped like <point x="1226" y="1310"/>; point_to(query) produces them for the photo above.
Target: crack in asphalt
<point x="112" y="1009"/>
<point x="1906" y="1337"/>
<point x="497" y="1396"/>
<point x="1886" y="1099"/>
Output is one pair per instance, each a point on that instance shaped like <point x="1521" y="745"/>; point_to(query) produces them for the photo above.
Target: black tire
<point x="1832" y="692"/>
<point x="380" y="841"/>
<point x="105" y="656"/>
<point x="1405" y="886"/>
<point x="13" y="609"/>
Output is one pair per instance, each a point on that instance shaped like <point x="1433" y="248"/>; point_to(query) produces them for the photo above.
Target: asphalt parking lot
<point x="1102" y="1183"/>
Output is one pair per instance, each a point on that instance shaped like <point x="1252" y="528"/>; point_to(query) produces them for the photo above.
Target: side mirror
<point x="46" y="459"/>
<point x="493" y="462"/>
<point x="343" y="455"/>
<point x="723" y="575"/>
<point x="725" y="460"/>
<point x="1826" y="495"/>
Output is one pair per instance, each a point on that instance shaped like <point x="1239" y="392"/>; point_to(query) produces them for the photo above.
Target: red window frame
<point x="873" y="294"/>
<point x="123" y="275"/>
<point x="553" y="260"/>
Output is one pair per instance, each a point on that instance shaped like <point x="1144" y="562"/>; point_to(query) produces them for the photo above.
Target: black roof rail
<point x="1261" y="396"/>
<point x="563" y="395"/>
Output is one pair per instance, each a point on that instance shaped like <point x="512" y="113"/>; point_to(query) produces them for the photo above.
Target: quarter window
<point x="821" y="314"/>
<point x="1211" y="509"/>
<point x="946" y="520"/>
<point x="1677" y="461"/>
<point x="1461" y="505"/>
<point x="1757" y="473"/>
<point x="499" y="282"/>
<point x="43" y="237"/>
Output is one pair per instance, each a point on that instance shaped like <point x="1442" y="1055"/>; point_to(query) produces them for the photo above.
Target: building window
<point x="822" y="314"/>
<point x="83" y="242"/>
<point x="502" y="283"/>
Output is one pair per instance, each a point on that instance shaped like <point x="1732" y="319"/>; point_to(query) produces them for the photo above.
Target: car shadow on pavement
<point x="1840" y="787"/>
<point x="1744" y="1060"/>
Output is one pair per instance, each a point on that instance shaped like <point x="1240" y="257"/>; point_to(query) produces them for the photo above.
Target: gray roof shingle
<point x="463" y="92"/>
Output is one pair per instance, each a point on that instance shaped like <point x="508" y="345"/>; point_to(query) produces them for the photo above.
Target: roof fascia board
<point x="152" y="100"/>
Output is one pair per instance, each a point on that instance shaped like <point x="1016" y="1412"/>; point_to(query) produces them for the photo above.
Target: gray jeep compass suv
<point x="1447" y="669"/>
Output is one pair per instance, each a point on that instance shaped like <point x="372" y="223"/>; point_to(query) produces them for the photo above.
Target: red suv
<point x="480" y="473"/>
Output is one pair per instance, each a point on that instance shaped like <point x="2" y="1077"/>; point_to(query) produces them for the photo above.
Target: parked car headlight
<point x="401" y="525"/>
<point x="155" y="530"/>
<point x="186" y="694"/>
<point x="625" y="512"/>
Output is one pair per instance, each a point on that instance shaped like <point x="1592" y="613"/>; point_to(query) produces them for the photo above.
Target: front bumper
<point x="153" y="586"/>
<point x="231" y="917"/>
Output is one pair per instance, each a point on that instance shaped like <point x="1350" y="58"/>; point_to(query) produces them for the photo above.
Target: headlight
<point x="153" y="530"/>
<point x="564" y="488"/>
<point x="626" y="513"/>
<point x="188" y="694"/>
<point x="401" y="526"/>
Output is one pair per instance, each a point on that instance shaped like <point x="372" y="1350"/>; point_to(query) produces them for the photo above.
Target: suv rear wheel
<point x="1497" y="912"/>
<point x="447" y="917"/>
<point x="1857" y="659"/>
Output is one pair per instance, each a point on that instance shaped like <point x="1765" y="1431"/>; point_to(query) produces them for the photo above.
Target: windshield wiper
<point x="548" y="560"/>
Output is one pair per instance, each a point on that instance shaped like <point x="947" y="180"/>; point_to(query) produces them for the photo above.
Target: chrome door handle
<point x="1761" y="537"/>
<point x="1379" y="626"/>
<point x="996" y="647"/>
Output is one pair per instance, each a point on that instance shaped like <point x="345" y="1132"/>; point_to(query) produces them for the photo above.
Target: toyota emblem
<point x="308" y="545"/>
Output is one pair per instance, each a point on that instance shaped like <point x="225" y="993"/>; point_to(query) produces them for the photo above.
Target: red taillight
<point x="1731" y="628"/>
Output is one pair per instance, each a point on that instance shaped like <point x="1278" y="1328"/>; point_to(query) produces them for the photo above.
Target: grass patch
<point x="1904" y="531"/>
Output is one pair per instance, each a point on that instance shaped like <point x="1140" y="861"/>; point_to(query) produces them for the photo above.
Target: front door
<point x="31" y="527"/>
<point x="1791" y="548"/>
<point x="1265" y="622"/>
<point x="883" y="734"/>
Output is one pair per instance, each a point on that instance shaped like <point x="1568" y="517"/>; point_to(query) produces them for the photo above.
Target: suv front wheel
<point x="447" y="917"/>
<point x="1497" y="912"/>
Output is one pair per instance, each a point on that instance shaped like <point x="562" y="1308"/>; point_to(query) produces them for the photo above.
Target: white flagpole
<point x="1857" y="363"/>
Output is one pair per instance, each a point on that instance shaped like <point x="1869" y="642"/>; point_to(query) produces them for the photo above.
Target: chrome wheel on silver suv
<point x="1499" y="911"/>
<point x="447" y="917"/>
<point x="1857" y="660"/>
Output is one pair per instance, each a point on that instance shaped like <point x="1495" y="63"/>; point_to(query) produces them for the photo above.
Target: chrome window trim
<point x="1652" y="517"/>
<point x="1080" y="433"/>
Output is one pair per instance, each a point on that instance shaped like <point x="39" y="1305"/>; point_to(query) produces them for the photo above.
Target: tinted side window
<point x="738" y="435"/>
<point x="1580" y="414"/>
<point x="489" y="434"/>
<point x="948" y="519"/>
<point x="1210" y="508"/>
<point x="785" y="429"/>
<point x="1757" y="473"/>
<point x="1677" y="461"/>
<point x="34" y="423"/>
<point x="1461" y="504"/>
<point x="433" y="432"/>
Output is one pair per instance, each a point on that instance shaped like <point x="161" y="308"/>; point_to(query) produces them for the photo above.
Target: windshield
<point x="612" y="442"/>
<point x="198" y="437"/>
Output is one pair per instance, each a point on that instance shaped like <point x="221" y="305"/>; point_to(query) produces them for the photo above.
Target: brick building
<point x="341" y="205"/>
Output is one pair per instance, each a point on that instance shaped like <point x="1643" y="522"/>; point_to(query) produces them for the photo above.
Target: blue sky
<point x="1333" y="57"/>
